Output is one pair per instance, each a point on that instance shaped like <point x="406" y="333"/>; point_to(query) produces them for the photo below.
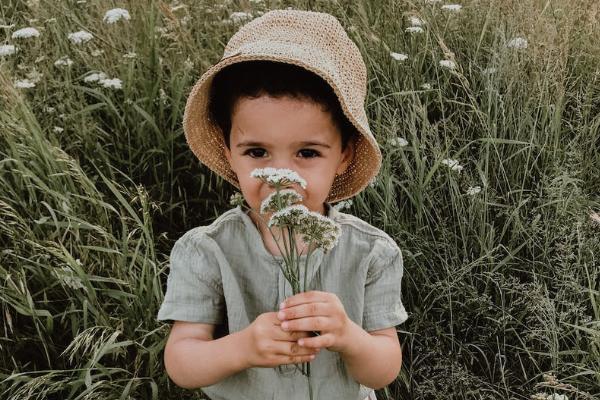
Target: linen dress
<point x="223" y="274"/>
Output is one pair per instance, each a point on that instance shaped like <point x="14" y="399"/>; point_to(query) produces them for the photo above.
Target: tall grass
<point x="502" y="286"/>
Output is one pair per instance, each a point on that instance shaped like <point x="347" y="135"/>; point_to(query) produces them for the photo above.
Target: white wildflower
<point x="373" y="182"/>
<point x="343" y="204"/>
<point x="556" y="396"/>
<point x="414" y="29"/>
<point x="97" y="52"/>
<point x="240" y="16"/>
<point x="321" y="230"/>
<point x="63" y="62"/>
<point x="490" y="70"/>
<point x="7" y="50"/>
<point x="116" y="14"/>
<point x="162" y="95"/>
<point x="69" y="279"/>
<point x="114" y="83"/>
<point x="80" y="37"/>
<point x="130" y="54"/>
<point x="517" y="43"/>
<point x="95" y="77"/>
<point x="399" y="141"/>
<point x="473" y="190"/>
<point x="398" y="56"/>
<point x="25" y="33"/>
<point x="416" y="21"/>
<point x="236" y="199"/>
<point x="595" y="217"/>
<point x="24" y="84"/>
<point x="448" y="64"/>
<point x="451" y="7"/>
<point x="288" y="216"/>
<point x="452" y="164"/>
<point x="49" y="109"/>
<point x="426" y="86"/>
<point x="278" y="176"/>
<point x="276" y="201"/>
<point x="57" y="129"/>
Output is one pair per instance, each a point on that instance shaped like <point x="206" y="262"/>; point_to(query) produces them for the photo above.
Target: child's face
<point x="267" y="132"/>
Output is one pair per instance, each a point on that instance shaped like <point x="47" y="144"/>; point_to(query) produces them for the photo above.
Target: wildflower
<point x="24" y="84"/>
<point x="473" y="190"/>
<point x="239" y="16"/>
<point x="63" y="62"/>
<point x="452" y="164"/>
<point x="49" y="110"/>
<point x="34" y="76"/>
<point x="236" y="199"/>
<point x="373" y="182"/>
<point x="448" y="64"/>
<point x="280" y="199"/>
<point x="67" y="277"/>
<point x="116" y="14"/>
<point x="7" y="50"/>
<point x="555" y="396"/>
<point x="343" y="204"/>
<point x="97" y="52"/>
<point x="80" y="37"/>
<point x="398" y="56"/>
<point x="288" y="216"/>
<point x="517" y="43"/>
<point x="595" y="217"/>
<point x="426" y="86"/>
<point x="451" y="7"/>
<point x="416" y="21"/>
<point x="25" y="33"/>
<point x="400" y="142"/>
<point x="57" y="129"/>
<point x="323" y="231"/>
<point x="278" y="177"/>
<point x="130" y="54"/>
<point x="414" y="29"/>
<point x="162" y="95"/>
<point x="489" y="70"/>
<point x="114" y="83"/>
<point x="94" y="77"/>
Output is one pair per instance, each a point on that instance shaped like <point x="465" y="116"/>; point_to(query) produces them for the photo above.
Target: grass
<point x="96" y="184"/>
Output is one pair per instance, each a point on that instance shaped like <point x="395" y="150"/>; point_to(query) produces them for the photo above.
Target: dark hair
<point x="276" y="79"/>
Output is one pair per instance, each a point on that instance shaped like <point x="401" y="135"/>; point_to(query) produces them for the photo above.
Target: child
<point x="289" y="92"/>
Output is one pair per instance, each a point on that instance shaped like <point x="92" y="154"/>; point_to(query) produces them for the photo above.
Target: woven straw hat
<point x="315" y="41"/>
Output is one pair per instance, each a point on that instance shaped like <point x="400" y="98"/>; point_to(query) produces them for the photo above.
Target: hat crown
<point x="304" y="33"/>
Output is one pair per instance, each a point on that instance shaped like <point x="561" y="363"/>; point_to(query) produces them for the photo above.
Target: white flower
<point x="114" y="83"/>
<point x="49" y="109"/>
<point x="416" y="21"/>
<point x="24" y="83"/>
<point x="63" y="62"/>
<point x="97" y="52"/>
<point x="473" y="190"/>
<point x="116" y="14"/>
<point x="343" y="204"/>
<point x="426" y="86"/>
<point x="398" y="56"/>
<point x="278" y="176"/>
<point x="452" y="164"/>
<point x="7" y="50"/>
<point x="448" y="64"/>
<point x="399" y="141"/>
<point x="288" y="216"/>
<point x="57" y="129"/>
<point x="25" y="33"/>
<point x="451" y="7"/>
<point x="489" y="70"/>
<point x="239" y="16"/>
<point x="595" y="217"/>
<point x="517" y="43"/>
<point x="130" y="54"/>
<point x="373" y="182"/>
<point x="555" y="396"/>
<point x="286" y="197"/>
<point x="319" y="229"/>
<point x="80" y="37"/>
<point x="414" y="29"/>
<point x="94" y="77"/>
<point x="162" y="95"/>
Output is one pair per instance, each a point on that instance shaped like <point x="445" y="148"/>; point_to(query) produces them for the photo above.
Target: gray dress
<point x="223" y="274"/>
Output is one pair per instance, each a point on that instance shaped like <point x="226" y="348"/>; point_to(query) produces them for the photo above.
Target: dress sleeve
<point x="383" y="306"/>
<point x="194" y="287"/>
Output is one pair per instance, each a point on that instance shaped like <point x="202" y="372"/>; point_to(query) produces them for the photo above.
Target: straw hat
<point x="315" y="41"/>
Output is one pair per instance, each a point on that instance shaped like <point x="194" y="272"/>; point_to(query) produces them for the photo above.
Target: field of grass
<point x="493" y="195"/>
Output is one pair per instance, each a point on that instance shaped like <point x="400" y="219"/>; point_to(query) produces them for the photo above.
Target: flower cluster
<point x="278" y="177"/>
<point x="280" y="199"/>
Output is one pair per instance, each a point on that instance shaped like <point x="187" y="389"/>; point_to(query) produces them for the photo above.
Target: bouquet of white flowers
<point x="294" y="219"/>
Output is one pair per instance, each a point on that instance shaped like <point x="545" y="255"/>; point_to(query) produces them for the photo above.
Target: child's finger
<point x="317" y="342"/>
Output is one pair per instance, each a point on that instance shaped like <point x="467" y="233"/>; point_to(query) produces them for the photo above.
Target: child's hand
<point x="317" y="311"/>
<point x="270" y="346"/>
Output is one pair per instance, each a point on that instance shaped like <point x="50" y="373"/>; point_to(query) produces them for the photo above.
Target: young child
<point x="288" y="92"/>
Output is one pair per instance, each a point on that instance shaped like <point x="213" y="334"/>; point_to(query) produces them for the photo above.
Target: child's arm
<point x="193" y="359"/>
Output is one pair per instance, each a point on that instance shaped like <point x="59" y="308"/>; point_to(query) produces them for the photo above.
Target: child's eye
<point x="307" y="153"/>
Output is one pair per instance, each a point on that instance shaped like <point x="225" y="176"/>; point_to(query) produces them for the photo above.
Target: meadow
<point x="488" y="117"/>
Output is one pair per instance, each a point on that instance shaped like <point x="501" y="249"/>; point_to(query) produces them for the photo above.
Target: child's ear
<point x="347" y="156"/>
